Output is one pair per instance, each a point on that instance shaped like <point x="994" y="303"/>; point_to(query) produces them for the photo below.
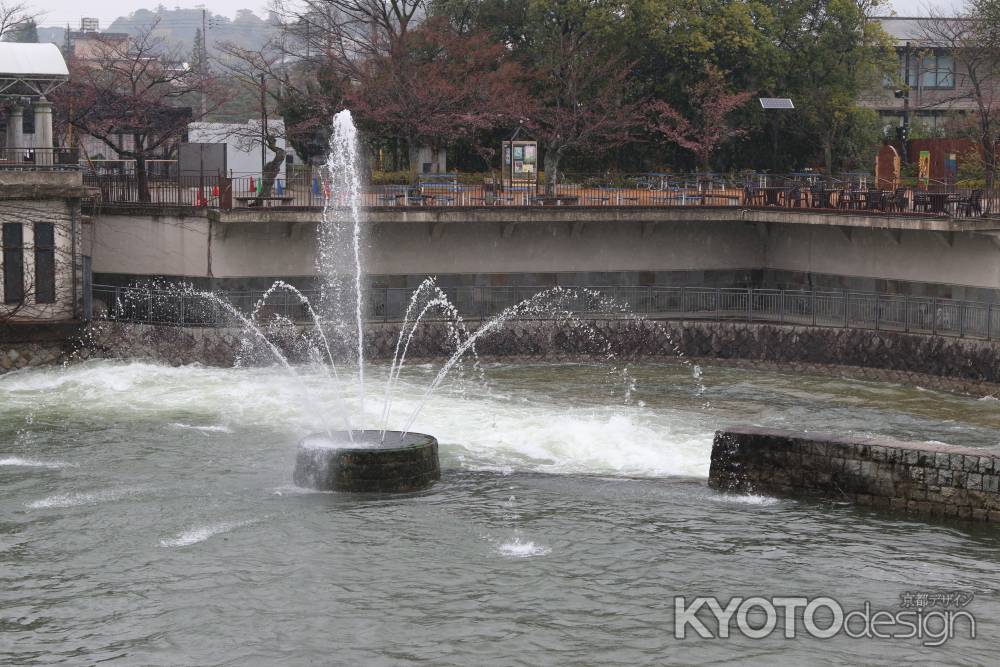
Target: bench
<point x="555" y="200"/>
<point x="496" y="200"/>
<point x="726" y="200"/>
<point x="682" y="199"/>
<point x="284" y="199"/>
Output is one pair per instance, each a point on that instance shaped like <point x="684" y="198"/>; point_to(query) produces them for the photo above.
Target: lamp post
<point x="903" y="93"/>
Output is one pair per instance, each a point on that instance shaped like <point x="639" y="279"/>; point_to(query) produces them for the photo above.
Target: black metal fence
<point x="619" y="190"/>
<point x="862" y="310"/>
<point x="39" y="158"/>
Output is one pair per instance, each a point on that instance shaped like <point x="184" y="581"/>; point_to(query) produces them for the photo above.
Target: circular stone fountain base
<point x="369" y="463"/>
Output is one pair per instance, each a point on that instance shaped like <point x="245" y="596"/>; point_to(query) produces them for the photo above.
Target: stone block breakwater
<point x="930" y="479"/>
<point x="952" y="364"/>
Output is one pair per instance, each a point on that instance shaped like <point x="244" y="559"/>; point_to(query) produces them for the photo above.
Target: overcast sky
<point x="61" y="12"/>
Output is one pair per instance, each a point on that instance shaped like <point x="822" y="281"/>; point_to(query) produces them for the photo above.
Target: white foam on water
<point x="297" y="491"/>
<point x="18" y="462"/>
<point x="64" y="500"/>
<point x="563" y="440"/>
<point x="476" y="431"/>
<point x="202" y="533"/>
<point x="324" y="442"/>
<point x="203" y="429"/>
<point x="516" y="548"/>
<point x="748" y="499"/>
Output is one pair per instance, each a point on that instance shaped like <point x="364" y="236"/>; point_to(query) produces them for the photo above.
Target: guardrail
<point x="39" y="158"/>
<point x="861" y="310"/>
<point x="477" y="190"/>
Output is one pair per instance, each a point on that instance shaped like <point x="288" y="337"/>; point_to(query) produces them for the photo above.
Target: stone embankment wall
<point x="954" y="364"/>
<point x="24" y="345"/>
<point x="935" y="480"/>
<point x="14" y="356"/>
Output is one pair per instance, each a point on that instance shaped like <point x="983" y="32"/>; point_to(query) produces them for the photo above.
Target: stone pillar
<point x="15" y="133"/>
<point x="43" y="132"/>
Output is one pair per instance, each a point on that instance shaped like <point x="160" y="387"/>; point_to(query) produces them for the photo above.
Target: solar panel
<point x="776" y="103"/>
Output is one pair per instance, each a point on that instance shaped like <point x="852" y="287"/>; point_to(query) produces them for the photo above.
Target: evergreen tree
<point x="198" y="63"/>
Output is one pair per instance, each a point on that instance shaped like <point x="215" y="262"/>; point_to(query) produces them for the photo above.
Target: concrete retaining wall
<point x="935" y="480"/>
<point x="922" y="254"/>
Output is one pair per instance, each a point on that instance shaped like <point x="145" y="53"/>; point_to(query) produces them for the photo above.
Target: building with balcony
<point x="43" y="265"/>
<point x="932" y="82"/>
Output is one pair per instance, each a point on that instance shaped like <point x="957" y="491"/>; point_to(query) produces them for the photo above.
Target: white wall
<point x="242" y="143"/>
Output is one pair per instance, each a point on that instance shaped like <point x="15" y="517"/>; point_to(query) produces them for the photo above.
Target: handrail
<point x="839" y="309"/>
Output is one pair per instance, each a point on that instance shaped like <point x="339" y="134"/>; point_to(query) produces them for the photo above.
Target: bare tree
<point x="345" y="34"/>
<point x="976" y="51"/>
<point x="136" y="97"/>
<point x="14" y="17"/>
<point x="251" y="70"/>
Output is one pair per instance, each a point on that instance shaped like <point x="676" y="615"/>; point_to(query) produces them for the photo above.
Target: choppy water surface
<point x="147" y="517"/>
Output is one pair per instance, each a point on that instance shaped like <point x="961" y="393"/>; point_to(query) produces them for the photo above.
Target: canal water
<point x="147" y="517"/>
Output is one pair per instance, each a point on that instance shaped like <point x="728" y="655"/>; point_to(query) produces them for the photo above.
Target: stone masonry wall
<point x="14" y="356"/>
<point x="970" y="366"/>
<point x="935" y="480"/>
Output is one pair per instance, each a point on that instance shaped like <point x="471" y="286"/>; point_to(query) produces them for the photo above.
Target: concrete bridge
<point x="916" y="254"/>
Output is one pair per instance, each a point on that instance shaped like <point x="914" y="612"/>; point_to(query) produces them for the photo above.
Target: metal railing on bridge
<point x="861" y="310"/>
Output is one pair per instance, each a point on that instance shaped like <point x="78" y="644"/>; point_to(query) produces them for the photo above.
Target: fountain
<point x="347" y="454"/>
<point x="368" y="463"/>
<point x="354" y="460"/>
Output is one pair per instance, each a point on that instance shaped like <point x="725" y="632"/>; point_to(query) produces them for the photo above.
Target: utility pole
<point x="204" y="63"/>
<point x="906" y="103"/>
<point x="263" y="124"/>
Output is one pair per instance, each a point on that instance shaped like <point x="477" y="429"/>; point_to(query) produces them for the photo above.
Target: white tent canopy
<point x="30" y="70"/>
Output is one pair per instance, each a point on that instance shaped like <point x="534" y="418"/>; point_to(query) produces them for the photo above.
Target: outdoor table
<point x="555" y="200"/>
<point x="683" y="198"/>
<point x="658" y="180"/>
<point x="772" y="194"/>
<point x="418" y="200"/>
<point x="939" y="201"/>
<point x="599" y="200"/>
<point x="725" y="200"/>
<point x="822" y="198"/>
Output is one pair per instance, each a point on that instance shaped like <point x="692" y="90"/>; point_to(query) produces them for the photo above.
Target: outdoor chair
<point x="972" y="205"/>
<point x="794" y="198"/>
<point x="898" y="201"/>
<point x="847" y="199"/>
<point x="816" y="196"/>
<point x="752" y="197"/>
<point x="876" y="200"/>
<point x="921" y="200"/>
